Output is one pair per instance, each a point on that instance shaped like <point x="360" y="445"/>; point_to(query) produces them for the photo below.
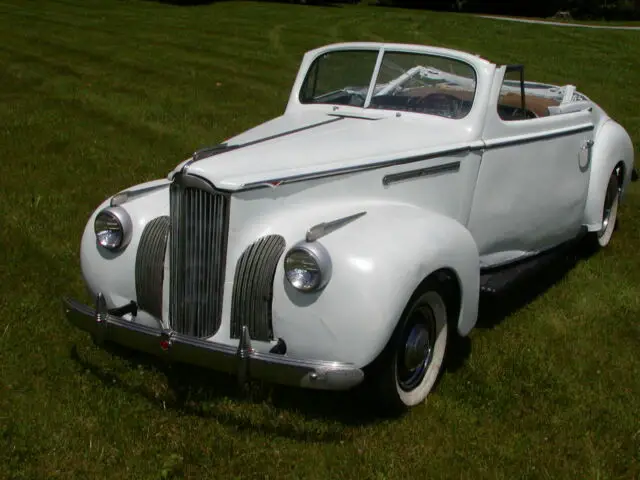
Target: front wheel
<point x="411" y="363"/>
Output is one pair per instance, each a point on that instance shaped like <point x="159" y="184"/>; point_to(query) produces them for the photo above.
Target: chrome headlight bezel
<point x="319" y="258"/>
<point x="124" y="225"/>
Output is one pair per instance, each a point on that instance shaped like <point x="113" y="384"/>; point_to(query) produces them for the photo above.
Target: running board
<point x="495" y="280"/>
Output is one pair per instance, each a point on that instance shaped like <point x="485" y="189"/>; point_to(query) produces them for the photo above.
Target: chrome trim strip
<point x="223" y="147"/>
<point x="127" y="195"/>
<point x="243" y="360"/>
<point x="497" y="143"/>
<point x="322" y="229"/>
<point x="193" y="181"/>
<point x="290" y="132"/>
<point x="207" y="152"/>
<point x="149" y="268"/>
<point x="358" y="168"/>
<point x="535" y="137"/>
<point x="421" y="172"/>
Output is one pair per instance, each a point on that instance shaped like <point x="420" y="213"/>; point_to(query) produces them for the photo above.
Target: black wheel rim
<point x="415" y="350"/>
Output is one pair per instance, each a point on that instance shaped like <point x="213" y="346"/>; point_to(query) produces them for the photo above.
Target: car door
<point x="533" y="178"/>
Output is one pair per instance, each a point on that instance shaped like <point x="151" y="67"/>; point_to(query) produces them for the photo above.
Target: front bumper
<point x="244" y="361"/>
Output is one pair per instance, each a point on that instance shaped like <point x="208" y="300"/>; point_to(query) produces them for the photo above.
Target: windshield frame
<point x="382" y="51"/>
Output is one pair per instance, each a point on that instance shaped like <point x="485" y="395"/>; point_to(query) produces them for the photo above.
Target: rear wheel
<point x="410" y="365"/>
<point x="609" y="212"/>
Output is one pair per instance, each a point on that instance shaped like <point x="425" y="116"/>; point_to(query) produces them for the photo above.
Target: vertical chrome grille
<point x="199" y="224"/>
<point x="253" y="288"/>
<point x="150" y="265"/>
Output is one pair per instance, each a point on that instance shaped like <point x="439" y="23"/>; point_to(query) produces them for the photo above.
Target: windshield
<point x="410" y="82"/>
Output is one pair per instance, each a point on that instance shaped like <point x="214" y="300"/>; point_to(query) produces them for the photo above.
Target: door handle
<point x="587" y="145"/>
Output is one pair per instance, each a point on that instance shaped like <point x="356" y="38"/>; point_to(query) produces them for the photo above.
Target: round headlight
<point x="307" y="267"/>
<point x="112" y="228"/>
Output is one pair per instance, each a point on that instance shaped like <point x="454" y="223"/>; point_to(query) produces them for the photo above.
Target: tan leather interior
<point x="539" y="106"/>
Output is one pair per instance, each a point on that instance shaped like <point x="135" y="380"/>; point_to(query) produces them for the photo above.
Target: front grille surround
<point x="198" y="249"/>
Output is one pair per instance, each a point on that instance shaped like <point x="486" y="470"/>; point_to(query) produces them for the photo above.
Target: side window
<point x="512" y="101"/>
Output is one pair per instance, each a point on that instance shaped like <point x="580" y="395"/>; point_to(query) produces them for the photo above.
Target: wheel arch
<point x="451" y="291"/>
<point x="612" y="149"/>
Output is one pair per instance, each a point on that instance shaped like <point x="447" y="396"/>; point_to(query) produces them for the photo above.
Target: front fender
<point x="612" y="145"/>
<point x="378" y="262"/>
<point x="113" y="273"/>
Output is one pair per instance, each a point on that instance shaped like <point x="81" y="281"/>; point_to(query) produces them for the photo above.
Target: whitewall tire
<point x="413" y="359"/>
<point x="609" y="211"/>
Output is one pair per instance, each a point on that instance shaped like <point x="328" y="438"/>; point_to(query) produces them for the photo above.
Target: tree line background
<point x="618" y="10"/>
<point x="577" y="9"/>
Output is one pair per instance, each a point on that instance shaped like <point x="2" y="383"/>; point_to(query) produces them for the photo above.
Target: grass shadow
<point x="205" y="393"/>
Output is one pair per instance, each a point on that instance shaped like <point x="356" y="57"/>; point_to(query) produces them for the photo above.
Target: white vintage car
<point x="350" y="238"/>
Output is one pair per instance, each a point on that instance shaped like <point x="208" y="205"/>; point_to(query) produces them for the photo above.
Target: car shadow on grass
<point x="494" y="308"/>
<point x="205" y="393"/>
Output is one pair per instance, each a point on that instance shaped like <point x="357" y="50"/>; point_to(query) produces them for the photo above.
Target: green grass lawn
<point x="98" y="95"/>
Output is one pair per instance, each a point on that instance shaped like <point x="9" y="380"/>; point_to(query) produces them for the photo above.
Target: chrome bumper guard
<point x="244" y="361"/>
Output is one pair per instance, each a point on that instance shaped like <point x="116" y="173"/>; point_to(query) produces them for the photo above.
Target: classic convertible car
<point x="350" y="238"/>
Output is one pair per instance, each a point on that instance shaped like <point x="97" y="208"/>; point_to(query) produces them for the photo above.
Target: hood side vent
<point x="149" y="272"/>
<point x="253" y="288"/>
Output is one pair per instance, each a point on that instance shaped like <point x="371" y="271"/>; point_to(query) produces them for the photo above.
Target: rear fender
<point x="611" y="146"/>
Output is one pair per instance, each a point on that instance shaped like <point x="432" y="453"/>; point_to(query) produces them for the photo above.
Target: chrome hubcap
<point x="416" y="354"/>
<point x="416" y="349"/>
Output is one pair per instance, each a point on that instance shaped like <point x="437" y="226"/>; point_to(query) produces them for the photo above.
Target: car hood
<point x="294" y="146"/>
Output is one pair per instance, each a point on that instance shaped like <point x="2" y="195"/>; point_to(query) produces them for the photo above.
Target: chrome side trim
<point x="253" y="288"/>
<point x="320" y="230"/>
<point x="243" y="360"/>
<point x="536" y="137"/>
<point x="474" y="147"/>
<point x="149" y="269"/>
<point x="360" y="168"/>
<point x="421" y="172"/>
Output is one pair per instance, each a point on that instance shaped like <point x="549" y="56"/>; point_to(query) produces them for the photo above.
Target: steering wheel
<point x="356" y="99"/>
<point x="442" y="103"/>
